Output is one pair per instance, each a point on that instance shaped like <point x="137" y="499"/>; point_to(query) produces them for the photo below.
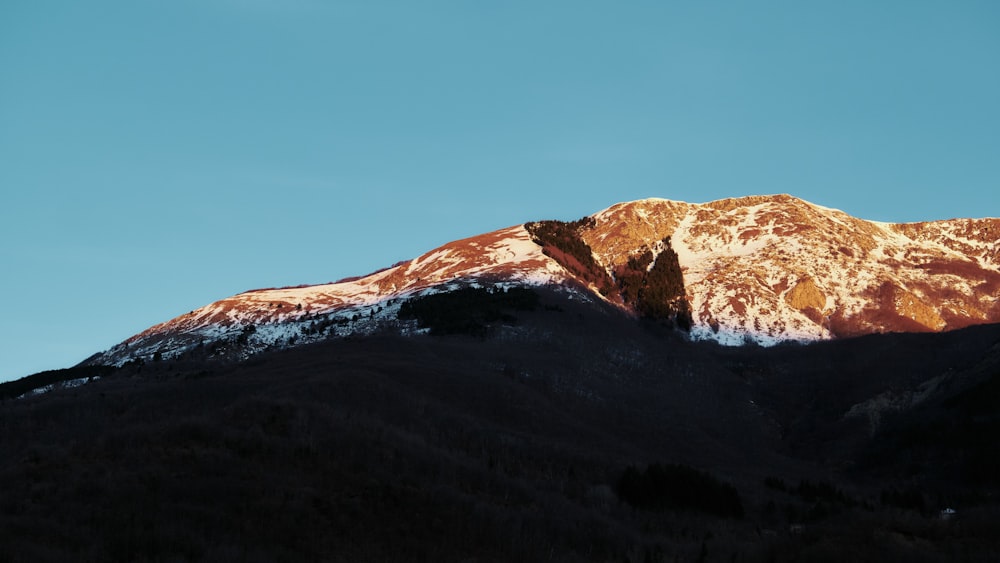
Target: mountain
<point x="762" y="269"/>
<point x="555" y="391"/>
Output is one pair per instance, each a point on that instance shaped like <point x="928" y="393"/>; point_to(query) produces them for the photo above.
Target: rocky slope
<point x="771" y="268"/>
<point x="757" y="269"/>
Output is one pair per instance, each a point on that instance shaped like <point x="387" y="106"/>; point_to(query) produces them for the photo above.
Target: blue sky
<point x="157" y="156"/>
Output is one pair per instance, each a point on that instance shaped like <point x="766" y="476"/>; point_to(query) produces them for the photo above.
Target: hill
<point x="526" y="440"/>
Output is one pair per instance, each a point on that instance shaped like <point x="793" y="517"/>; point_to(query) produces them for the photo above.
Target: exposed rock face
<point x="805" y="295"/>
<point x="914" y="308"/>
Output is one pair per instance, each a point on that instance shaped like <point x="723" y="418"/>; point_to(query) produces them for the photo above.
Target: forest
<point x="573" y="433"/>
<point x="652" y="286"/>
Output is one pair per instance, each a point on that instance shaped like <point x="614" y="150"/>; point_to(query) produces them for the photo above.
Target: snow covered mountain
<point x="772" y="268"/>
<point x="756" y="269"/>
<point x="262" y="319"/>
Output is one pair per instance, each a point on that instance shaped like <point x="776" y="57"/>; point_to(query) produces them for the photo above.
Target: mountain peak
<point x="750" y="262"/>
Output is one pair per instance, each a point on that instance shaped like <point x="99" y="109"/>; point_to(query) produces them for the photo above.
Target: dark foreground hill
<point x="562" y="433"/>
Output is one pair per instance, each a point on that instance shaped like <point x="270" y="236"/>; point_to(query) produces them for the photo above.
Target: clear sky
<point x="156" y="156"/>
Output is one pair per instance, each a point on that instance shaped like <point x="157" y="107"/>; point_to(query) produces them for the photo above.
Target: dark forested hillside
<point x="561" y="436"/>
<point x="654" y="286"/>
<point x="562" y="242"/>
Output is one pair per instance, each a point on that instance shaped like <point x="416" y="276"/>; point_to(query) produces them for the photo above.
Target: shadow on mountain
<point x="572" y="432"/>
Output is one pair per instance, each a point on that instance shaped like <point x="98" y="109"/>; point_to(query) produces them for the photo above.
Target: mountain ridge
<point x="762" y="269"/>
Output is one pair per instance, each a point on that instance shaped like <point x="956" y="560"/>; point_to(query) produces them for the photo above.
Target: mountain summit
<point x="761" y="269"/>
<point x="773" y="268"/>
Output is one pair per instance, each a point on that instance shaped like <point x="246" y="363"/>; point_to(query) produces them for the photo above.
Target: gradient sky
<point x="156" y="156"/>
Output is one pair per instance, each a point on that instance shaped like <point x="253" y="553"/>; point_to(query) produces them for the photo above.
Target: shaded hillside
<point x="470" y="310"/>
<point x="653" y="285"/>
<point x="952" y="435"/>
<point x="562" y="242"/>
<point x="510" y="447"/>
<point x="829" y="400"/>
<point x="53" y="379"/>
